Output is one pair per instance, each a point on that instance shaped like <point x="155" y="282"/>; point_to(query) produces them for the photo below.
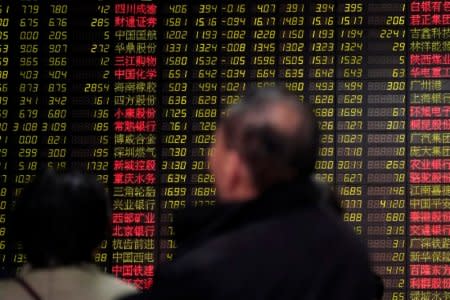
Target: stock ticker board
<point x="131" y="91"/>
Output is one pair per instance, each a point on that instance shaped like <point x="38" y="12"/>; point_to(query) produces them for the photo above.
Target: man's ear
<point x="239" y="172"/>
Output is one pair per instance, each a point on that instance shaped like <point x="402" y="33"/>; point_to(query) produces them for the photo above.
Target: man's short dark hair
<point x="273" y="154"/>
<point x="61" y="218"/>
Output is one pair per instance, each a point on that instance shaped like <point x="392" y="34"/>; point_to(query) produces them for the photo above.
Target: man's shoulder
<point x="302" y="232"/>
<point x="314" y="225"/>
<point x="299" y="246"/>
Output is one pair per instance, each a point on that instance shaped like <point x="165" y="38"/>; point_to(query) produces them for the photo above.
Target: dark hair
<point x="272" y="154"/>
<point x="61" y="218"/>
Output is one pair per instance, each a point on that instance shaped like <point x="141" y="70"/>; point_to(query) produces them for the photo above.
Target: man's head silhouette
<point x="268" y="138"/>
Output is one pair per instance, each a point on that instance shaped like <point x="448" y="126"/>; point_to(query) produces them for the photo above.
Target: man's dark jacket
<point x="283" y="245"/>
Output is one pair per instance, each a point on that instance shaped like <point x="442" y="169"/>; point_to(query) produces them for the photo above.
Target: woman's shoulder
<point x="71" y="282"/>
<point x="109" y="280"/>
<point x="110" y="284"/>
<point x="10" y="290"/>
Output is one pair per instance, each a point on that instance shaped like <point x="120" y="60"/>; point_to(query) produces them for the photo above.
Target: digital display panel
<point x="132" y="90"/>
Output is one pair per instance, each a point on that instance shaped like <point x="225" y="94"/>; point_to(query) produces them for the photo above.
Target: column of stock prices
<point x="131" y="91"/>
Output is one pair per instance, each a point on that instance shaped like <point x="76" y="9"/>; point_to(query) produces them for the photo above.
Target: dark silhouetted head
<point x="61" y="218"/>
<point x="268" y="138"/>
